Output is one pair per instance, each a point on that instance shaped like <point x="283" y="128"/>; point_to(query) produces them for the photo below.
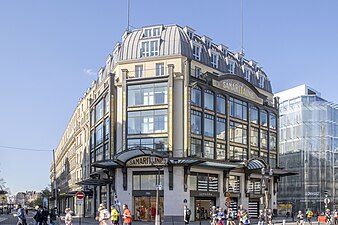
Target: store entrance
<point x="145" y="208"/>
<point x="203" y="206"/>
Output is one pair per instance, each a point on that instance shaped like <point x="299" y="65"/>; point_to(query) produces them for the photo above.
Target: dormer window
<point x="196" y="51"/>
<point x="214" y="59"/>
<point x="261" y="81"/>
<point x="207" y="41"/>
<point x="231" y="67"/>
<point x="149" y="48"/>
<point x="246" y="73"/>
<point x="189" y="31"/>
<point x="152" y="32"/>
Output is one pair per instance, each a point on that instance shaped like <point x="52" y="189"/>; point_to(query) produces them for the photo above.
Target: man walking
<point x="126" y="215"/>
<point x="21" y="216"/>
<point x="186" y="215"/>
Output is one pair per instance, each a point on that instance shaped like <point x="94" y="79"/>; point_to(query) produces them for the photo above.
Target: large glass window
<point x="238" y="109"/>
<point x="146" y="181"/>
<point x="254" y="115"/>
<point x="147" y="94"/>
<point x="149" y="121"/>
<point x="238" y="153"/>
<point x="208" y="125"/>
<point x="107" y="105"/>
<point x="264" y="139"/>
<point x="159" y="144"/>
<point x="273" y="142"/>
<point x="99" y="110"/>
<point x="99" y="134"/>
<point x="196" y="148"/>
<point x="221" y="128"/>
<point x="159" y="69"/>
<point x="273" y="121"/>
<point x="196" y="122"/>
<point x="254" y="137"/>
<point x="264" y="118"/>
<point x="209" y="149"/>
<point x="220" y="106"/>
<point x="238" y="133"/>
<point x="204" y="181"/>
<point x="208" y="100"/>
<point x="107" y="129"/>
<point x="92" y="117"/>
<point x="220" y="151"/>
<point x="196" y="96"/>
<point x="99" y="154"/>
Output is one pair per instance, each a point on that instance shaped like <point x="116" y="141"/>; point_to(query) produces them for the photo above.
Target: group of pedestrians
<point x="227" y="216"/>
<point x="112" y="218"/>
<point x="330" y="217"/>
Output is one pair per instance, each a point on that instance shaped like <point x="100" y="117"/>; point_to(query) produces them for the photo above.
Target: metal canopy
<point x="255" y="164"/>
<point x="220" y="164"/>
<point x="105" y="164"/>
<point x="283" y="172"/>
<point x="124" y="156"/>
<point x="94" y="182"/>
<point x="185" y="161"/>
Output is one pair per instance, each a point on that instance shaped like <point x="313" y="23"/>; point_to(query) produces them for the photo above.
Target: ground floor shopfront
<point x="197" y="185"/>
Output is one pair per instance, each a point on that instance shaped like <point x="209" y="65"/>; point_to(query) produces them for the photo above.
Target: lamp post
<point x="266" y="186"/>
<point x="158" y="163"/>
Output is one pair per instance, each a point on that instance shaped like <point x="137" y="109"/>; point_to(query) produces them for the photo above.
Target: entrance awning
<point x="124" y="156"/>
<point x="105" y="164"/>
<point x="219" y="164"/>
<point x="283" y="172"/>
<point x="255" y="164"/>
<point x="94" y="182"/>
<point x="185" y="161"/>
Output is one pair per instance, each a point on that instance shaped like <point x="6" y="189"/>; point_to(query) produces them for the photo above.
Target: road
<point x="12" y="220"/>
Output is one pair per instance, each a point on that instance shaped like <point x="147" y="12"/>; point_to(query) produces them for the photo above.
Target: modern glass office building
<point x="207" y="115"/>
<point x="308" y="146"/>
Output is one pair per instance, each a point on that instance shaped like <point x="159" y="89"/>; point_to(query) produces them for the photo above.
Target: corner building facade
<point x="205" y="114"/>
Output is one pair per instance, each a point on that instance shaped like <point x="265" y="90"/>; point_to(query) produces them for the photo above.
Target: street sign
<point x="80" y="195"/>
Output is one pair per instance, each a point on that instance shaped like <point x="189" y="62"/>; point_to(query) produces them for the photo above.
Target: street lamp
<point x="266" y="186"/>
<point x="159" y="165"/>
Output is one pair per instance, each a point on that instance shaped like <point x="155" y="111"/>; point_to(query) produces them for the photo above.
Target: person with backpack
<point x="186" y="215"/>
<point x="309" y="216"/>
<point x="300" y="218"/>
<point x="231" y="217"/>
<point x="114" y="215"/>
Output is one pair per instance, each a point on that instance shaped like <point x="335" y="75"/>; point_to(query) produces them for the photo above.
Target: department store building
<point x="171" y="101"/>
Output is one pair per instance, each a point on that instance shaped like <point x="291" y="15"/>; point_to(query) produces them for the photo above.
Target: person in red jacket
<point x="126" y="215"/>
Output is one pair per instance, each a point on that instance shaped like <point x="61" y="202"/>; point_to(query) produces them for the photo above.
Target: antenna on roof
<point x="242" y="30"/>
<point x="128" y="15"/>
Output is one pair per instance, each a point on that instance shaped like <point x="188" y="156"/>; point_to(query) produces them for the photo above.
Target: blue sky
<point x="50" y="52"/>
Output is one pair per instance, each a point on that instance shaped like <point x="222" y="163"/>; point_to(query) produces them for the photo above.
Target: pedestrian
<point x="309" y="216"/>
<point x="213" y="215"/>
<point x="335" y="216"/>
<point x="269" y="216"/>
<point x="104" y="218"/>
<point x="53" y="216"/>
<point x="114" y="215"/>
<point x="37" y="216"/>
<point x="231" y="217"/>
<point x="186" y="215"/>
<point x="21" y="216"/>
<point x="126" y="215"/>
<point x="261" y="217"/>
<point x="220" y="217"/>
<point x="240" y="214"/>
<point x="328" y="217"/>
<point x="68" y="217"/>
<point x="45" y="215"/>
<point x="300" y="218"/>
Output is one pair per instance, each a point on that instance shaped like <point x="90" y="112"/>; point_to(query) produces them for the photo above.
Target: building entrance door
<point x="145" y="208"/>
<point x="203" y="206"/>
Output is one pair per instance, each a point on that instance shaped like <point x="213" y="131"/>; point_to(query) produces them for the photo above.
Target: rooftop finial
<point x="128" y="15"/>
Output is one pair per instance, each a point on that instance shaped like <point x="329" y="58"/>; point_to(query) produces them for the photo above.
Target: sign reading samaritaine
<point x="236" y="87"/>
<point x="145" y="161"/>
